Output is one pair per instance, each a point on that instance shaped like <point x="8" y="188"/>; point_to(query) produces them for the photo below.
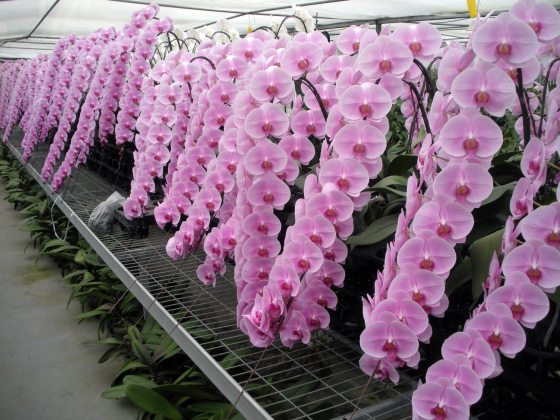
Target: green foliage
<point x="156" y="376"/>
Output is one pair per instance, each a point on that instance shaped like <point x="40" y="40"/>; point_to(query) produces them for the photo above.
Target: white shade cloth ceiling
<point x="26" y="32"/>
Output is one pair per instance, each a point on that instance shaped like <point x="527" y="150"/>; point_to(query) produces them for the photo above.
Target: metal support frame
<point x="208" y="365"/>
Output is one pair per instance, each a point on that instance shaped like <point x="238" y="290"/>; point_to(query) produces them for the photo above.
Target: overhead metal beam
<point x="200" y="9"/>
<point x="36" y="26"/>
<point x="271" y="9"/>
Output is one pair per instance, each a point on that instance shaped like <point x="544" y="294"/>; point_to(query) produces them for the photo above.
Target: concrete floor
<point x="47" y="369"/>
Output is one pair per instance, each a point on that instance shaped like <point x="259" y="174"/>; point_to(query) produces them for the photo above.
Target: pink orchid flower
<point x="365" y="101"/>
<point x="439" y="400"/>
<point x="294" y="329"/>
<point x="348" y="175"/>
<point x="427" y="251"/>
<point x="521" y="199"/>
<point x="388" y="338"/>
<point x="537" y="260"/>
<point x="360" y="141"/>
<point x="458" y="369"/>
<point x="484" y="86"/>
<point x="308" y="123"/>
<point x="543" y="18"/>
<point x="471" y="134"/>
<point x="265" y="157"/>
<point x="384" y="55"/>
<point x="499" y="329"/>
<point x="406" y="310"/>
<point x="286" y="279"/>
<point x="471" y="344"/>
<point x="298" y="147"/>
<point x="301" y="58"/>
<point x="268" y="120"/>
<point x="271" y="84"/>
<point x="505" y="38"/>
<point x="544" y="224"/>
<point x="382" y="368"/>
<point x="261" y="222"/>
<point x="269" y="191"/>
<point x="423" y="40"/>
<point x="448" y="219"/>
<point x="352" y="38"/>
<point x="466" y="183"/>
<point x="527" y="302"/>
<point x="304" y="255"/>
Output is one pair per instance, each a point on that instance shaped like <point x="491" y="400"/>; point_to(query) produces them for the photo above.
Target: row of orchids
<point x="267" y="147"/>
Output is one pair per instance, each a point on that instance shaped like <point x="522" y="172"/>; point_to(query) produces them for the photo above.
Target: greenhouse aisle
<point x="48" y="370"/>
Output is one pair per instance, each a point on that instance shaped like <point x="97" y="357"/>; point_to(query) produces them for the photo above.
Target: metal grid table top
<point x="320" y="380"/>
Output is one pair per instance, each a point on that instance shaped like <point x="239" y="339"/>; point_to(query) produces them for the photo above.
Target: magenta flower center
<point x="168" y="217"/>
<point x="517" y="311"/>
<point x="233" y="73"/>
<point x="268" y="197"/>
<point x="343" y="184"/>
<point x="356" y="46"/>
<point x="263" y="275"/>
<point x="210" y="205"/>
<point x="439" y="413"/>
<point x="461" y="191"/>
<point x="328" y="281"/>
<point x="314" y="323"/>
<point x="534" y="166"/>
<point x="272" y="90"/>
<point x="262" y="228"/>
<point x="329" y="255"/>
<point x="495" y="341"/>
<point x="315" y="238"/>
<point x="266" y="164"/>
<point x="418" y="297"/>
<point x="322" y="301"/>
<point x="481" y="98"/>
<point x="267" y="127"/>
<point x="232" y="242"/>
<point x="359" y="148"/>
<point x="249" y="54"/>
<point x="310" y="128"/>
<point x="224" y="97"/>
<point x="537" y="27"/>
<point x="263" y="252"/>
<point x="534" y="274"/>
<point x="503" y="49"/>
<point x="220" y="187"/>
<point x="426" y="264"/>
<point x="194" y="178"/>
<point x="390" y="348"/>
<point x="286" y="286"/>
<point x="295" y="154"/>
<point x="330" y="213"/>
<point x="303" y="264"/>
<point x="470" y="144"/>
<point x="303" y="64"/>
<point x="231" y="167"/>
<point x="443" y="229"/>
<point x="553" y="238"/>
<point x="415" y="47"/>
<point x="385" y="65"/>
<point x="365" y="110"/>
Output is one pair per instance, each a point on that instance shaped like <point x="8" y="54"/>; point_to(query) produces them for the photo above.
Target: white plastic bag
<point x="101" y="218"/>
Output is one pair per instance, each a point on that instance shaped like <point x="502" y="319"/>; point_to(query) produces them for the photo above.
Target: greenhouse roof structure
<point x="31" y="27"/>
